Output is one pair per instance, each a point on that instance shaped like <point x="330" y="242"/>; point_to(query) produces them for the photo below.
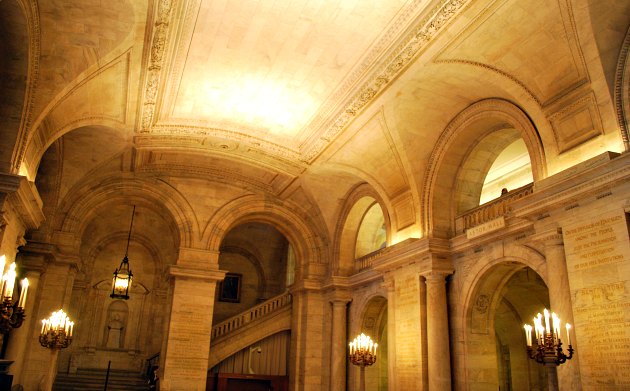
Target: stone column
<point x="438" y="332"/>
<point x="338" y="345"/>
<point x="560" y="302"/>
<point x="307" y="337"/>
<point x="186" y="348"/>
<point x="391" y="334"/>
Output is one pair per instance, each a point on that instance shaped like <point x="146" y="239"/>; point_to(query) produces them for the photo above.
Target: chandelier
<point x="11" y="312"/>
<point x="121" y="282"/>
<point x="56" y="331"/>
<point x="362" y="354"/>
<point x="548" y="341"/>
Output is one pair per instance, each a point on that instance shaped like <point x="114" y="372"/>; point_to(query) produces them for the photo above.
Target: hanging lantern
<point x="122" y="281"/>
<point x="123" y="276"/>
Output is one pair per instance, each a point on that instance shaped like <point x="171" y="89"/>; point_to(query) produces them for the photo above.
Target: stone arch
<point x="622" y="91"/>
<point x="485" y="284"/>
<point x="300" y="230"/>
<point x="357" y="202"/>
<point x="17" y="78"/>
<point x="76" y="211"/>
<point x="373" y="322"/>
<point x="149" y="245"/>
<point x="454" y="145"/>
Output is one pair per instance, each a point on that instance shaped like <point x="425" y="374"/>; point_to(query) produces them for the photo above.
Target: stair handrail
<point x="258" y="311"/>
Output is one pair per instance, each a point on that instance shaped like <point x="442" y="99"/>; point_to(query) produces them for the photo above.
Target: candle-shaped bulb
<point x="568" y="334"/>
<point x="22" y="301"/>
<point x="556" y="325"/>
<point x="10" y="281"/>
<point x="547" y="326"/>
<point x="528" y="334"/>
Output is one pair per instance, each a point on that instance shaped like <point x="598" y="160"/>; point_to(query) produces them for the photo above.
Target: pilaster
<point x="560" y="300"/>
<point x="339" y="299"/>
<point x="438" y="347"/>
<point x="185" y="350"/>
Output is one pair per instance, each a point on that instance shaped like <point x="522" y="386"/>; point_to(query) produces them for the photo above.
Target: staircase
<point x="94" y="380"/>
<point x="249" y="327"/>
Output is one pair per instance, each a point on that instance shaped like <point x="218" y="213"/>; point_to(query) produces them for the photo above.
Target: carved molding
<point x="622" y="91"/>
<point x="156" y="61"/>
<point x="380" y="78"/>
<point x="404" y="53"/>
<point x="31" y="11"/>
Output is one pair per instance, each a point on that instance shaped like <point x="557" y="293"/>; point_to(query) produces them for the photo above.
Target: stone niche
<point x="115" y="330"/>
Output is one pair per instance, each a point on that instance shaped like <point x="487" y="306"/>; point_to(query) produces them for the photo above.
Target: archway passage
<point x="374" y="324"/>
<point x="256" y="257"/>
<point x="507" y="296"/>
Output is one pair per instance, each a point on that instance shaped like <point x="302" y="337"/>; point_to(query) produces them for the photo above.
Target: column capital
<point x="179" y="271"/>
<point x="23" y="195"/>
<point x="436" y="274"/>
<point x="340" y="296"/>
<point x="198" y="257"/>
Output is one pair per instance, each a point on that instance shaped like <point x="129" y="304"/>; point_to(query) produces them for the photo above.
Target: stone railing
<point x="491" y="210"/>
<point x="365" y="262"/>
<point x="252" y="314"/>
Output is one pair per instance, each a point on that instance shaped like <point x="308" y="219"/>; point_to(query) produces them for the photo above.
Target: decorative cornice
<point x="32" y="18"/>
<point x="24" y="198"/>
<point x="585" y="179"/>
<point x="365" y="88"/>
<point x="156" y="61"/>
<point x="382" y="77"/>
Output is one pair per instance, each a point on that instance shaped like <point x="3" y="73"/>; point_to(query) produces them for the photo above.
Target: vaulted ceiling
<point x="297" y="96"/>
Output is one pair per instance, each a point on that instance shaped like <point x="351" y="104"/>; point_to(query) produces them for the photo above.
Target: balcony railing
<point x="491" y="210"/>
<point x="252" y="314"/>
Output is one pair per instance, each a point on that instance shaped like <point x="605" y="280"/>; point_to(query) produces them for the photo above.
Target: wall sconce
<point x="121" y="282"/>
<point x="362" y="354"/>
<point x="11" y="312"/>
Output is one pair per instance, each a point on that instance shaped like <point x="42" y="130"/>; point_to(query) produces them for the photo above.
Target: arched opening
<point x="260" y="265"/>
<point x="372" y="233"/>
<point x="507" y="296"/>
<point x="361" y="230"/>
<point x="374" y="324"/>
<point x="510" y="170"/>
<point x="124" y="332"/>
<point x="497" y="161"/>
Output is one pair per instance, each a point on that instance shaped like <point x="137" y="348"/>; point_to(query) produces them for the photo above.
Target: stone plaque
<point x="598" y="263"/>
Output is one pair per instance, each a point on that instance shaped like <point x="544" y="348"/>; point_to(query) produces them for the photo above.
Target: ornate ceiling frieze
<point x="381" y="77"/>
<point x="366" y="81"/>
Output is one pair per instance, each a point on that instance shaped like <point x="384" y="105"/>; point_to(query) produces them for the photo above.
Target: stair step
<point x="87" y="379"/>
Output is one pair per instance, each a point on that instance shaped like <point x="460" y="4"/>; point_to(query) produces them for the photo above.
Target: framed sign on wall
<point x="230" y="288"/>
